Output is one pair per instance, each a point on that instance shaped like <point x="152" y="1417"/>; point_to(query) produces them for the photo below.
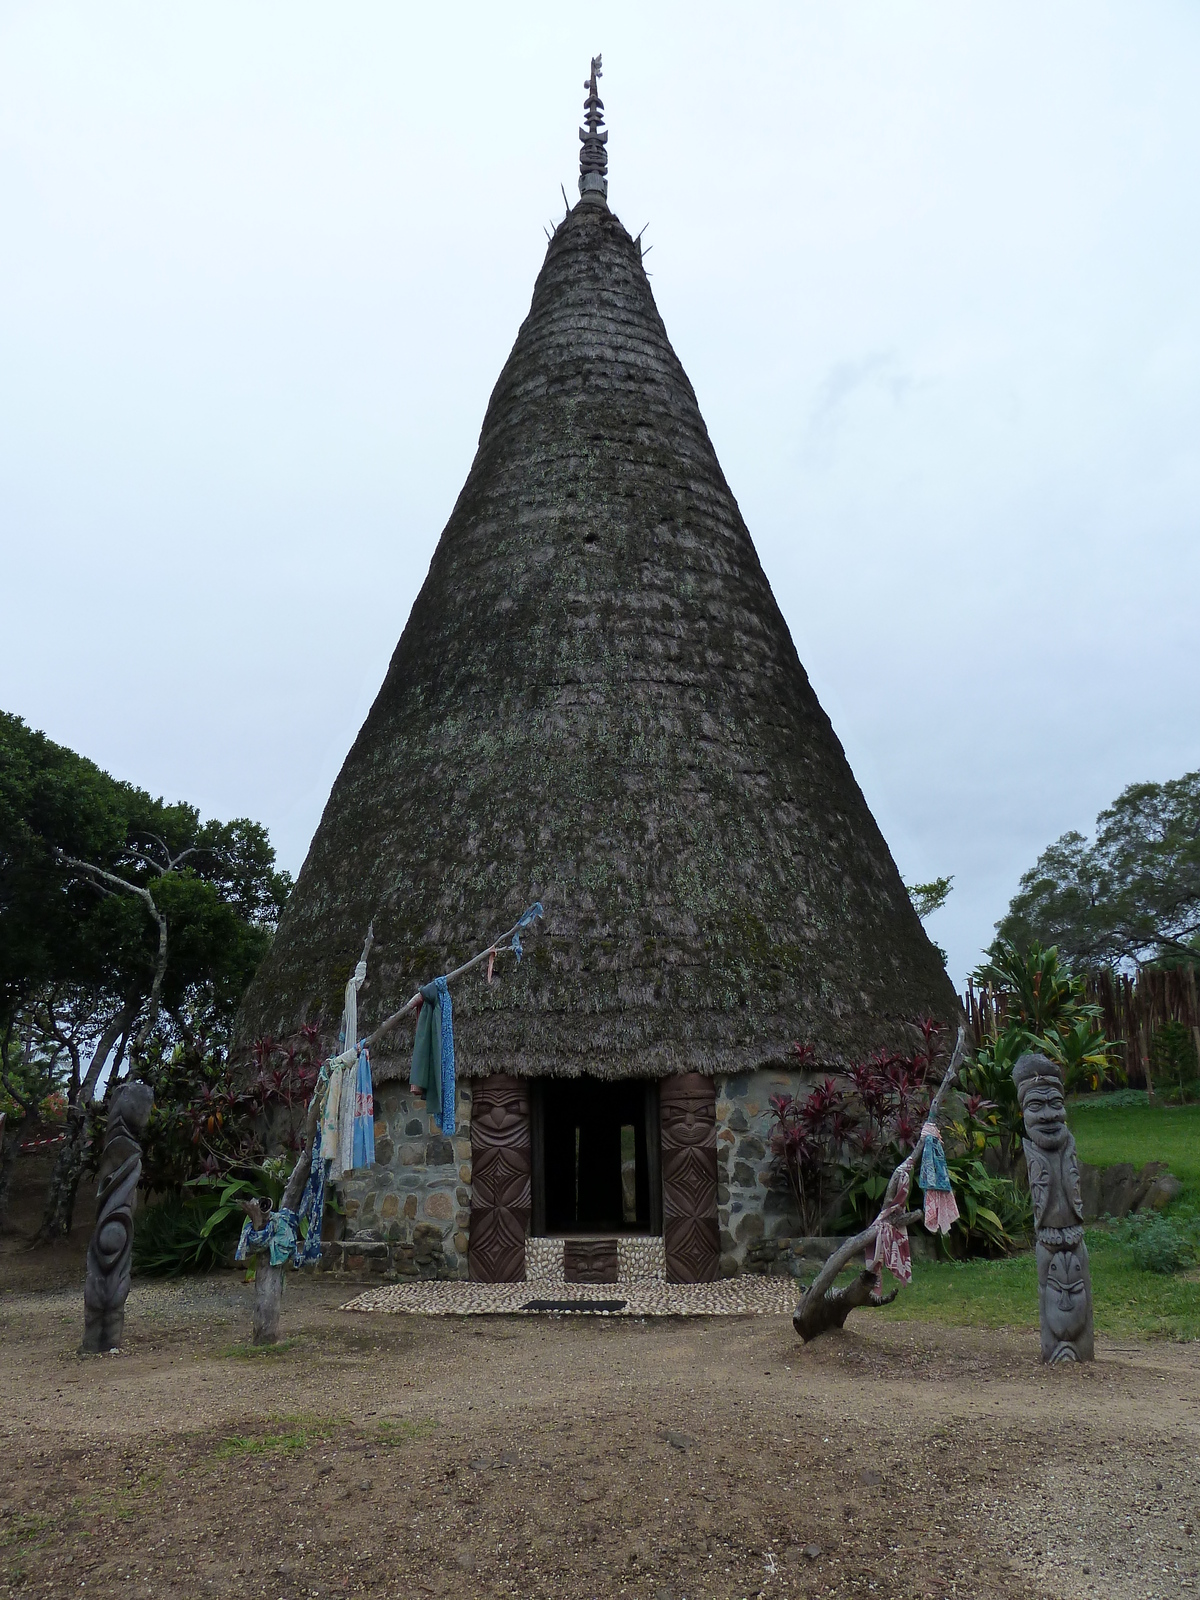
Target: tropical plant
<point x="198" y="1228"/>
<point x="1041" y="1007"/>
<point x="839" y="1146"/>
<point x="993" y="1214"/>
<point x="1173" y="1058"/>
<point x="210" y="1119"/>
<point x="177" y="1234"/>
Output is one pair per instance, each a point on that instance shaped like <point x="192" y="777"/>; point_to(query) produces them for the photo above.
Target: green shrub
<point x="1118" y="1100"/>
<point x="1160" y="1241"/>
<point x="175" y="1236"/>
<point x="994" y="1215"/>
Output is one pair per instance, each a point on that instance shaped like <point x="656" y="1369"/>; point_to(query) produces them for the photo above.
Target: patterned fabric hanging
<point x="941" y="1209"/>
<point x="892" y="1249"/>
<point x="278" y="1235"/>
<point x="363" y="1142"/>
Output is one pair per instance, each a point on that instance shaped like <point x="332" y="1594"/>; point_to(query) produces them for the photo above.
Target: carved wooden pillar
<point x="501" y="1186"/>
<point x="688" y="1118"/>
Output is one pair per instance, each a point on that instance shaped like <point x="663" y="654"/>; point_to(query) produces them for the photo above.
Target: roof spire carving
<point x="593" y="158"/>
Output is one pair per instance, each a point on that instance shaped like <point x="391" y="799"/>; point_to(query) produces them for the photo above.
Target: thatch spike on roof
<point x="596" y="703"/>
<point x="593" y="157"/>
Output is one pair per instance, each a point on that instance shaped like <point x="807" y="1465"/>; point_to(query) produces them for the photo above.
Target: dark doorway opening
<point x="595" y="1156"/>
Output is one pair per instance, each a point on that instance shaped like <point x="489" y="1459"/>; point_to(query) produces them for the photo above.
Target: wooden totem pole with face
<point x="110" y="1253"/>
<point x="1064" y="1278"/>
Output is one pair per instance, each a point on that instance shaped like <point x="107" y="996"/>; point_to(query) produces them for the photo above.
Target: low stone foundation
<point x="409" y="1213"/>
<point x="423" y="1257"/>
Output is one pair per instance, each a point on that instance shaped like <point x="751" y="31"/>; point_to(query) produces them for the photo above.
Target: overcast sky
<point x="933" y="270"/>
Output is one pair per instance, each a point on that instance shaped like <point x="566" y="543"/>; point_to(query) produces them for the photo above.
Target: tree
<point x="928" y="898"/>
<point x="1042" y="1007"/>
<point x="119" y="914"/>
<point x="1129" y="897"/>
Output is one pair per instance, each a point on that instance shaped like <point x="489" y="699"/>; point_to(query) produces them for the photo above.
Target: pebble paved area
<point x="730" y="1297"/>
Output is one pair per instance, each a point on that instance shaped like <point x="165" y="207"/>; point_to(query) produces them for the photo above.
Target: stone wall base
<point x="424" y="1258"/>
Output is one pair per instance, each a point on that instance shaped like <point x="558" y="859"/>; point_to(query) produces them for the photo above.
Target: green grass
<point x="403" y="1430"/>
<point x="24" y="1528"/>
<point x="1140" y="1134"/>
<point x="257" y="1352"/>
<point x="1127" y="1301"/>
<point x="1003" y="1294"/>
<point x="302" y="1432"/>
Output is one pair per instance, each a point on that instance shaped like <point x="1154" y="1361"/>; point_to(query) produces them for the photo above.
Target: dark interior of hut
<point x="593" y="1151"/>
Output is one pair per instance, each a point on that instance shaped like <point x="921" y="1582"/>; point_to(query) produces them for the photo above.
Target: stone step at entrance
<point x="595" y="1258"/>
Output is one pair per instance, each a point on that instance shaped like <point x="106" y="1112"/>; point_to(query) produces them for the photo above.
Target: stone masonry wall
<point x="409" y="1213"/>
<point x="752" y="1206"/>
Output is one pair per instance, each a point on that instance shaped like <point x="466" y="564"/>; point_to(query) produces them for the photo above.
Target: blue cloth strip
<point x="934" y="1173"/>
<point x="446" y="1008"/>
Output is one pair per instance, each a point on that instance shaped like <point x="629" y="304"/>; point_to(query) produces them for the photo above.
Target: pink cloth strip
<point x="941" y="1210"/>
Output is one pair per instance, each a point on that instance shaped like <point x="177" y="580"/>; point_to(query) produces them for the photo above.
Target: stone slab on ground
<point x="731" y="1297"/>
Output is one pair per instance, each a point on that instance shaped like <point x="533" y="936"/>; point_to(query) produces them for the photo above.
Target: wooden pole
<point x="269" y="1280"/>
<point x="824" y="1307"/>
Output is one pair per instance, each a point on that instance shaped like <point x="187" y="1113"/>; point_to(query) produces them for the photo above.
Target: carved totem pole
<point x="1064" y="1278"/>
<point x="106" y="1287"/>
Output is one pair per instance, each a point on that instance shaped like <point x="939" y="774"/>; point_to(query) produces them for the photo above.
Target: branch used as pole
<point x="299" y="1175"/>
<point x="268" y="1279"/>
<point x="497" y="947"/>
<point x="827" y="1276"/>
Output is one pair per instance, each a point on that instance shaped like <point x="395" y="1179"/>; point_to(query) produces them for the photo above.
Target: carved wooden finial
<point x="593" y="158"/>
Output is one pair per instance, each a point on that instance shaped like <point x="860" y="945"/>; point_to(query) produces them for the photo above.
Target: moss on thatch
<point x="596" y="703"/>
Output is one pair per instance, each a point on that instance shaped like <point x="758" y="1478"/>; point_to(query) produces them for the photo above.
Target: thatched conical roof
<point x="596" y="703"/>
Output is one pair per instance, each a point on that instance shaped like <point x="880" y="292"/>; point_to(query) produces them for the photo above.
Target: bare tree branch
<point x="825" y="1279"/>
<point x="102" y="877"/>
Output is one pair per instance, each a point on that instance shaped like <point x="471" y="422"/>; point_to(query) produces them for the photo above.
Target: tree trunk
<point x="10" y="1144"/>
<point x="68" y="1167"/>
<point x="814" y="1317"/>
<point x="64" y="1180"/>
<point x="268" y="1299"/>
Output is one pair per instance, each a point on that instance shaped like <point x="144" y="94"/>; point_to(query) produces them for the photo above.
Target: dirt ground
<point x="688" y="1459"/>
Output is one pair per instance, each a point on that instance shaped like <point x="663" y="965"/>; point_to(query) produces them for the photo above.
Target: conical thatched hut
<point x="596" y="703"/>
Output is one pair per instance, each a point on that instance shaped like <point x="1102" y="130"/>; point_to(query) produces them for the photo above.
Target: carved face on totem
<point x="1040" y="1092"/>
<point x="1065" y="1303"/>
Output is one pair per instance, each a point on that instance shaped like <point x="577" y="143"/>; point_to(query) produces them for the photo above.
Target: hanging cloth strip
<point x="892" y="1248"/>
<point x="329" y="1120"/>
<point x="433" y="1069"/>
<point x="425" y="1074"/>
<point x="446" y="1008"/>
<point x="363" y="1126"/>
<point x="337" y="1122"/>
<point x="526" y="921"/>
<point x="941" y="1209"/>
<point x="278" y="1234"/>
<point x="312" y="1212"/>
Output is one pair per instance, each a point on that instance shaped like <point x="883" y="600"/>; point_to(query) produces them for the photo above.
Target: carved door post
<point x="691" y="1237"/>
<point x="501" y="1180"/>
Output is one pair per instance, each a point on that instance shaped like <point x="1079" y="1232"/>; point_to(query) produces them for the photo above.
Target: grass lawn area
<point x="1140" y="1134"/>
<point x="1127" y="1300"/>
<point x="1003" y="1294"/>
